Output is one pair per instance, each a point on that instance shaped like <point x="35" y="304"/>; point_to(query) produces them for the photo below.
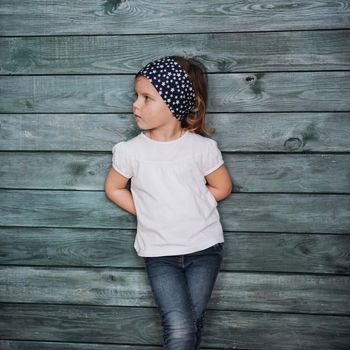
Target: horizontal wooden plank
<point x="246" y="251"/>
<point x="233" y="92"/>
<point x="289" y="173"/>
<point x="84" y="132"/>
<point x="306" y="213"/>
<point x="249" y="173"/>
<point x="124" y="325"/>
<point x="247" y="132"/>
<point x="71" y="247"/>
<point x="146" y="16"/>
<point x="233" y="291"/>
<point x="35" y="345"/>
<point x="282" y="132"/>
<point x="220" y="52"/>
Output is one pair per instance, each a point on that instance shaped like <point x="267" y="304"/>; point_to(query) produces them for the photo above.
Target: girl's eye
<point x="146" y="97"/>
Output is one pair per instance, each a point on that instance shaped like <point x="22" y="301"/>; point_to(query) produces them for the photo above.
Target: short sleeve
<point x="120" y="160"/>
<point x="212" y="158"/>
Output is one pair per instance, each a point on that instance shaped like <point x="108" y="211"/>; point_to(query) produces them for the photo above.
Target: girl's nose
<point x="135" y="104"/>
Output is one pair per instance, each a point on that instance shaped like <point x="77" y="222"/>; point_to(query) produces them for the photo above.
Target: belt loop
<point x="181" y="260"/>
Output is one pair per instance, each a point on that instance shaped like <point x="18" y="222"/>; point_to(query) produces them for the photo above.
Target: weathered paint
<point x="279" y="103"/>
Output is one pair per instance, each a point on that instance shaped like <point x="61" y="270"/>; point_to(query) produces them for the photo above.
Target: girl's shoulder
<point x="128" y="144"/>
<point x="203" y="140"/>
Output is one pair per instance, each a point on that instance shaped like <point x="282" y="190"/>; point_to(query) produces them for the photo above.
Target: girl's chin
<point x="138" y="121"/>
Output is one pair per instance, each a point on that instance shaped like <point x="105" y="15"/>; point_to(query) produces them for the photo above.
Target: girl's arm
<point x="219" y="183"/>
<point x="115" y="190"/>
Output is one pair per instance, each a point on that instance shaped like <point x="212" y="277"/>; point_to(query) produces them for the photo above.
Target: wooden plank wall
<point x="279" y="101"/>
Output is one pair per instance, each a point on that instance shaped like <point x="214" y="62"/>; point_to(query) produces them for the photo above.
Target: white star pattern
<point x="175" y="85"/>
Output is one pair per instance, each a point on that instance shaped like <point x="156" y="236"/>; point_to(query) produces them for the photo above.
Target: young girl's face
<point x="149" y="108"/>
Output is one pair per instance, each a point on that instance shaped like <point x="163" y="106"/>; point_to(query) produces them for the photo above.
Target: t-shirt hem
<point x="213" y="168"/>
<point x="179" y="252"/>
<point x="121" y="172"/>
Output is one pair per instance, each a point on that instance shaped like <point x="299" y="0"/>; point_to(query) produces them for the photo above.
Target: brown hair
<point x="195" y="119"/>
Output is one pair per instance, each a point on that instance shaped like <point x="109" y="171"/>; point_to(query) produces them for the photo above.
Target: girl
<point x="177" y="176"/>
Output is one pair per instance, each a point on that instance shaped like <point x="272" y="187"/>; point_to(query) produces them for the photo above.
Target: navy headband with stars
<point x="173" y="85"/>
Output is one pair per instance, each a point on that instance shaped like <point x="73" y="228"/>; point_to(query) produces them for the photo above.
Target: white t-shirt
<point x="176" y="213"/>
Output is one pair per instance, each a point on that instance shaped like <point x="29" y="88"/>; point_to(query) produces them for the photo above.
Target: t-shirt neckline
<point x="164" y="142"/>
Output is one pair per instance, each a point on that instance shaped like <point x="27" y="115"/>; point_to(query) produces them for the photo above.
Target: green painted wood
<point x="244" y="251"/>
<point x="68" y="247"/>
<point x="146" y="16"/>
<point x="282" y="132"/>
<point x="35" y="345"/>
<point x="84" y="132"/>
<point x="220" y="52"/>
<point x="249" y="172"/>
<point x="233" y="291"/>
<point x="234" y="132"/>
<point x="260" y="92"/>
<point x="280" y="83"/>
<point x="223" y="329"/>
<point x="317" y="213"/>
<point x="289" y="173"/>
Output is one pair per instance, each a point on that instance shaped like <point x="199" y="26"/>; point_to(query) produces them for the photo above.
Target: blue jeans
<point x="182" y="286"/>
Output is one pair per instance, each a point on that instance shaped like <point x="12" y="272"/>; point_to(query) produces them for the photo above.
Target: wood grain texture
<point x="234" y="132"/>
<point x="279" y="100"/>
<point x="244" y="251"/>
<point x="220" y="52"/>
<point x="233" y="92"/>
<point x="146" y="16"/>
<point x="223" y="329"/>
<point x="318" y="213"/>
<point x="233" y="291"/>
<point x="84" y="132"/>
<point x="249" y="172"/>
<point x="42" y="345"/>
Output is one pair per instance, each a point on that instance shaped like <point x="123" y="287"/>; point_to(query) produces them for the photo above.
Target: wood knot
<point x="111" y="6"/>
<point x="112" y="277"/>
<point x="293" y="144"/>
<point x="251" y="79"/>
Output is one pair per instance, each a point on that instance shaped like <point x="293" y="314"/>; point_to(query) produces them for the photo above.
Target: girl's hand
<point x="219" y="183"/>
